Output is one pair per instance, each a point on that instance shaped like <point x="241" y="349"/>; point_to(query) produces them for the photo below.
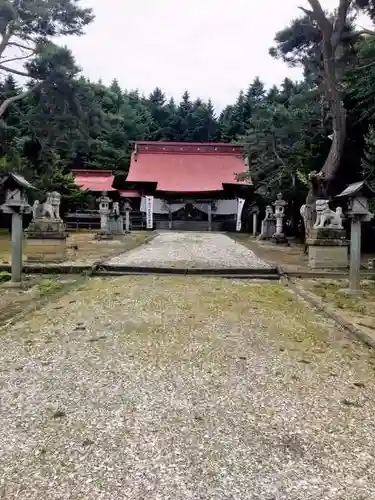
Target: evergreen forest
<point x="53" y="119"/>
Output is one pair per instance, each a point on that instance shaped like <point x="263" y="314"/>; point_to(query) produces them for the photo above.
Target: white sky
<point x="213" y="48"/>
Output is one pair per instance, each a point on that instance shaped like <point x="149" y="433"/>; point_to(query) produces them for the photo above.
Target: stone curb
<point x="100" y="269"/>
<point x="323" y="274"/>
<point x="316" y="302"/>
<point x="272" y="271"/>
<point x="218" y="274"/>
<point x="52" y="268"/>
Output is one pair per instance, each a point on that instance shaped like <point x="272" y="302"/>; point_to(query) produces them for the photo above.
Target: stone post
<point x="355" y="255"/>
<point x="17" y="238"/>
<point x="16" y="205"/>
<point x="127" y="216"/>
<point x="357" y="195"/>
<point x="127" y="222"/>
<point x="255" y="223"/>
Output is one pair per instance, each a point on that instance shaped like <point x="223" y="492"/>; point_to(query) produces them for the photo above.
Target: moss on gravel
<point x="169" y="387"/>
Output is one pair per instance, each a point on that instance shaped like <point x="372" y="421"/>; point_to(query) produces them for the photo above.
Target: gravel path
<point x="182" y="388"/>
<point x="193" y="250"/>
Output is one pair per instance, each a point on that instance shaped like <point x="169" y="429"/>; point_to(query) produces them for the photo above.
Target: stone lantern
<point x="279" y="204"/>
<point x="357" y="195"/>
<point x="104" y="212"/>
<point x="16" y="204"/>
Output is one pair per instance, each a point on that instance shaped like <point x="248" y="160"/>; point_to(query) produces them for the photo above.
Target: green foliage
<point x="281" y="139"/>
<point x="49" y="287"/>
<point x="28" y="30"/>
<point x="69" y="122"/>
<point x="368" y="162"/>
<point x="4" y="276"/>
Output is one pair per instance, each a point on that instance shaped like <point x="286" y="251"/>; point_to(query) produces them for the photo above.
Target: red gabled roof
<point x="94" y="180"/>
<point x="187" y="167"/>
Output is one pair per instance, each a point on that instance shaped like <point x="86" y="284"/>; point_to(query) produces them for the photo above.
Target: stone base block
<point x="46" y="250"/>
<point x="328" y="257"/>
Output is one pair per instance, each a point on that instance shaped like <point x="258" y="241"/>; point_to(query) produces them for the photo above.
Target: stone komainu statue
<point x="269" y="212"/>
<point x="325" y="217"/>
<point x="50" y="209"/>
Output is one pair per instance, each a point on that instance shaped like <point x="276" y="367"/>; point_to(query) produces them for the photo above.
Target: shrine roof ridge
<point x="187" y="147"/>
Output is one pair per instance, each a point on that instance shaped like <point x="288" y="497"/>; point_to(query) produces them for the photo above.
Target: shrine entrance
<point x="190" y="215"/>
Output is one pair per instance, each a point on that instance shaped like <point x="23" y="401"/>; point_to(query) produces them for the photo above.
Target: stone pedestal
<point x="328" y="249"/>
<point x="46" y="241"/>
<point x="279" y="236"/>
<point x="268" y="229"/>
<point x="116" y="224"/>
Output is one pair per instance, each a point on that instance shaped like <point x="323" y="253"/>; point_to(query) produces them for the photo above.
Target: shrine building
<point x="181" y="186"/>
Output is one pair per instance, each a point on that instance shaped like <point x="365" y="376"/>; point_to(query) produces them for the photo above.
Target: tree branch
<point x="365" y="66"/>
<point x="11" y="100"/>
<point x="318" y="13"/>
<point x="341" y="16"/>
<point x="309" y="13"/>
<point x="19" y="58"/>
<point x="21" y="46"/>
<point x="365" y="31"/>
<point x="5" y="41"/>
<point x="278" y="157"/>
<point x="14" y="71"/>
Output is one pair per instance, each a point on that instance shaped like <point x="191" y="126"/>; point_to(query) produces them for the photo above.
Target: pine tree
<point x="368" y="162"/>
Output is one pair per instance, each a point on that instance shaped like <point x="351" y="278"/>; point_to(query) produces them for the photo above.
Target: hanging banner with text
<point x="149" y="212"/>
<point x="240" y="205"/>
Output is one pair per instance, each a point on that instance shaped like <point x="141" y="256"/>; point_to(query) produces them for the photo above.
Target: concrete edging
<point x="318" y="303"/>
<point x="324" y="274"/>
<point x="99" y="269"/>
<point x="186" y="270"/>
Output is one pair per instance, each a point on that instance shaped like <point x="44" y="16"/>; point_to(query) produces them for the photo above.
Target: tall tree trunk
<point x="331" y="46"/>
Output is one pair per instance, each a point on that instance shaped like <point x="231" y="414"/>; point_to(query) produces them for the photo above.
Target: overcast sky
<point x="213" y="48"/>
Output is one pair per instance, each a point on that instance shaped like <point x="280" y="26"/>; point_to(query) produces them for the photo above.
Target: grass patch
<point x="83" y="248"/>
<point x="357" y="306"/>
<point x="48" y="287"/>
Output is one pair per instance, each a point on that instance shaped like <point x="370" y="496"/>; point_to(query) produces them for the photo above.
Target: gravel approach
<point x="183" y="388"/>
<point x="191" y="250"/>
